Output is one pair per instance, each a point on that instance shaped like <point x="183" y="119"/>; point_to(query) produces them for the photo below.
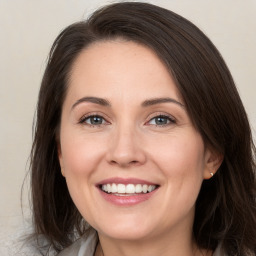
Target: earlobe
<point x="62" y="172"/>
<point x="208" y="174"/>
<point x="213" y="162"/>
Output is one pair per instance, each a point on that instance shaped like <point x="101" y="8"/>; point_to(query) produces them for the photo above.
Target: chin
<point x="125" y="229"/>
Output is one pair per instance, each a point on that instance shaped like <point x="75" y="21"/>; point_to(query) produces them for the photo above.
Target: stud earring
<point x="211" y="174"/>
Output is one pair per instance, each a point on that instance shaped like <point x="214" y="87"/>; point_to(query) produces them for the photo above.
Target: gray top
<point x="82" y="247"/>
<point x="17" y="245"/>
<point x="86" y="247"/>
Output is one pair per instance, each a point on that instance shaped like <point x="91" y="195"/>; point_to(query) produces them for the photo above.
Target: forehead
<point x="120" y="66"/>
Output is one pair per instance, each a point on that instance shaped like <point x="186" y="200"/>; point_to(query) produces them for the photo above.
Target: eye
<point x="93" y="120"/>
<point x="161" y="120"/>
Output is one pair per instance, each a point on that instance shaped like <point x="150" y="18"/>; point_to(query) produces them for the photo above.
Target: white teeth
<point x="145" y="188"/>
<point x="138" y="188"/>
<point x="151" y="188"/>
<point x="114" y="188"/>
<point x="128" y="189"/>
<point x="109" y="189"/>
<point x="104" y="188"/>
<point x="120" y="189"/>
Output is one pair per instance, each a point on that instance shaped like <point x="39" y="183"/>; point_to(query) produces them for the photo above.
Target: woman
<point x="142" y="145"/>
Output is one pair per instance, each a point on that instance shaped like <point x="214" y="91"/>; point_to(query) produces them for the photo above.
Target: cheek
<point x="81" y="153"/>
<point x="181" y="161"/>
<point x="183" y="155"/>
<point x="81" y="157"/>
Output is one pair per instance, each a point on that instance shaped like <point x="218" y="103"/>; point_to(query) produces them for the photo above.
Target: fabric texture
<point x="86" y="247"/>
<point x="82" y="247"/>
<point x="16" y="244"/>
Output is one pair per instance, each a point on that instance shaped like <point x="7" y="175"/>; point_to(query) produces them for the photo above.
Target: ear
<point x="213" y="161"/>
<point x="60" y="159"/>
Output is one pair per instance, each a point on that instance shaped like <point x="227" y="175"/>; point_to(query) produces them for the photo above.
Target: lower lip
<point x="127" y="200"/>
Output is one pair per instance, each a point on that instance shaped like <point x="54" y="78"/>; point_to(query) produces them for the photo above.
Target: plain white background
<point x="28" y="28"/>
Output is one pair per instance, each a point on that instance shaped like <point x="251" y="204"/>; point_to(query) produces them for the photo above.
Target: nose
<point x="125" y="148"/>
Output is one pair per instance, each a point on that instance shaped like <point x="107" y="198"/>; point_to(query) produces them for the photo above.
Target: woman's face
<point x="132" y="159"/>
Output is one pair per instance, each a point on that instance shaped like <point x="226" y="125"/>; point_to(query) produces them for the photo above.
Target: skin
<point x="128" y="142"/>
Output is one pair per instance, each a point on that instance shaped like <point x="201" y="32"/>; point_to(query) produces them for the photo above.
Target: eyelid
<point x="92" y="114"/>
<point x="161" y="114"/>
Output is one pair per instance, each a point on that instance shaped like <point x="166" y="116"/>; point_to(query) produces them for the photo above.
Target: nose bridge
<point x="125" y="147"/>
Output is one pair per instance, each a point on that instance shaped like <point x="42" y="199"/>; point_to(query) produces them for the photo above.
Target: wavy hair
<point x="225" y="208"/>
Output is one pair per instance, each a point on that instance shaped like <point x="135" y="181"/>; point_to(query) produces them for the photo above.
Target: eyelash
<point x="169" y="119"/>
<point x="84" y="119"/>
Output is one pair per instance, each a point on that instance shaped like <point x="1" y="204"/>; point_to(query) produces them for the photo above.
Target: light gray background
<point x="27" y="30"/>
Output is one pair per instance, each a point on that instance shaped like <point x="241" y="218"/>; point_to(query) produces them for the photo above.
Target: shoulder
<point x="85" y="246"/>
<point x="18" y="243"/>
<point x="219" y="251"/>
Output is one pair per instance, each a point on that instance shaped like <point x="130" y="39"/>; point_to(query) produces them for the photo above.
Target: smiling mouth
<point x="128" y="189"/>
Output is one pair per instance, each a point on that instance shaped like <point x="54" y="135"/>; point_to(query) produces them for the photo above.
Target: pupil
<point x="161" y="120"/>
<point x="96" y="120"/>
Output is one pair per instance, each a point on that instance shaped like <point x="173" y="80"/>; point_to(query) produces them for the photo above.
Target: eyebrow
<point x="96" y="100"/>
<point x="146" y="103"/>
<point x="156" y="101"/>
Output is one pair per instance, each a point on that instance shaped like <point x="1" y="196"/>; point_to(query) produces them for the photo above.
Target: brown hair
<point x="225" y="208"/>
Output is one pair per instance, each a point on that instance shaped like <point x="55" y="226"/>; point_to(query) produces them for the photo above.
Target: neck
<point x="164" y="246"/>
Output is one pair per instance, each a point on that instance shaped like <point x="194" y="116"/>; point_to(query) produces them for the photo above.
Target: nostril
<point x="124" y="163"/>
<point x="125" y="155"/>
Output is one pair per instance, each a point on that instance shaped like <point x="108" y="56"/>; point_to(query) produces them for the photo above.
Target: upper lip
<point x="125" y="181"/>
